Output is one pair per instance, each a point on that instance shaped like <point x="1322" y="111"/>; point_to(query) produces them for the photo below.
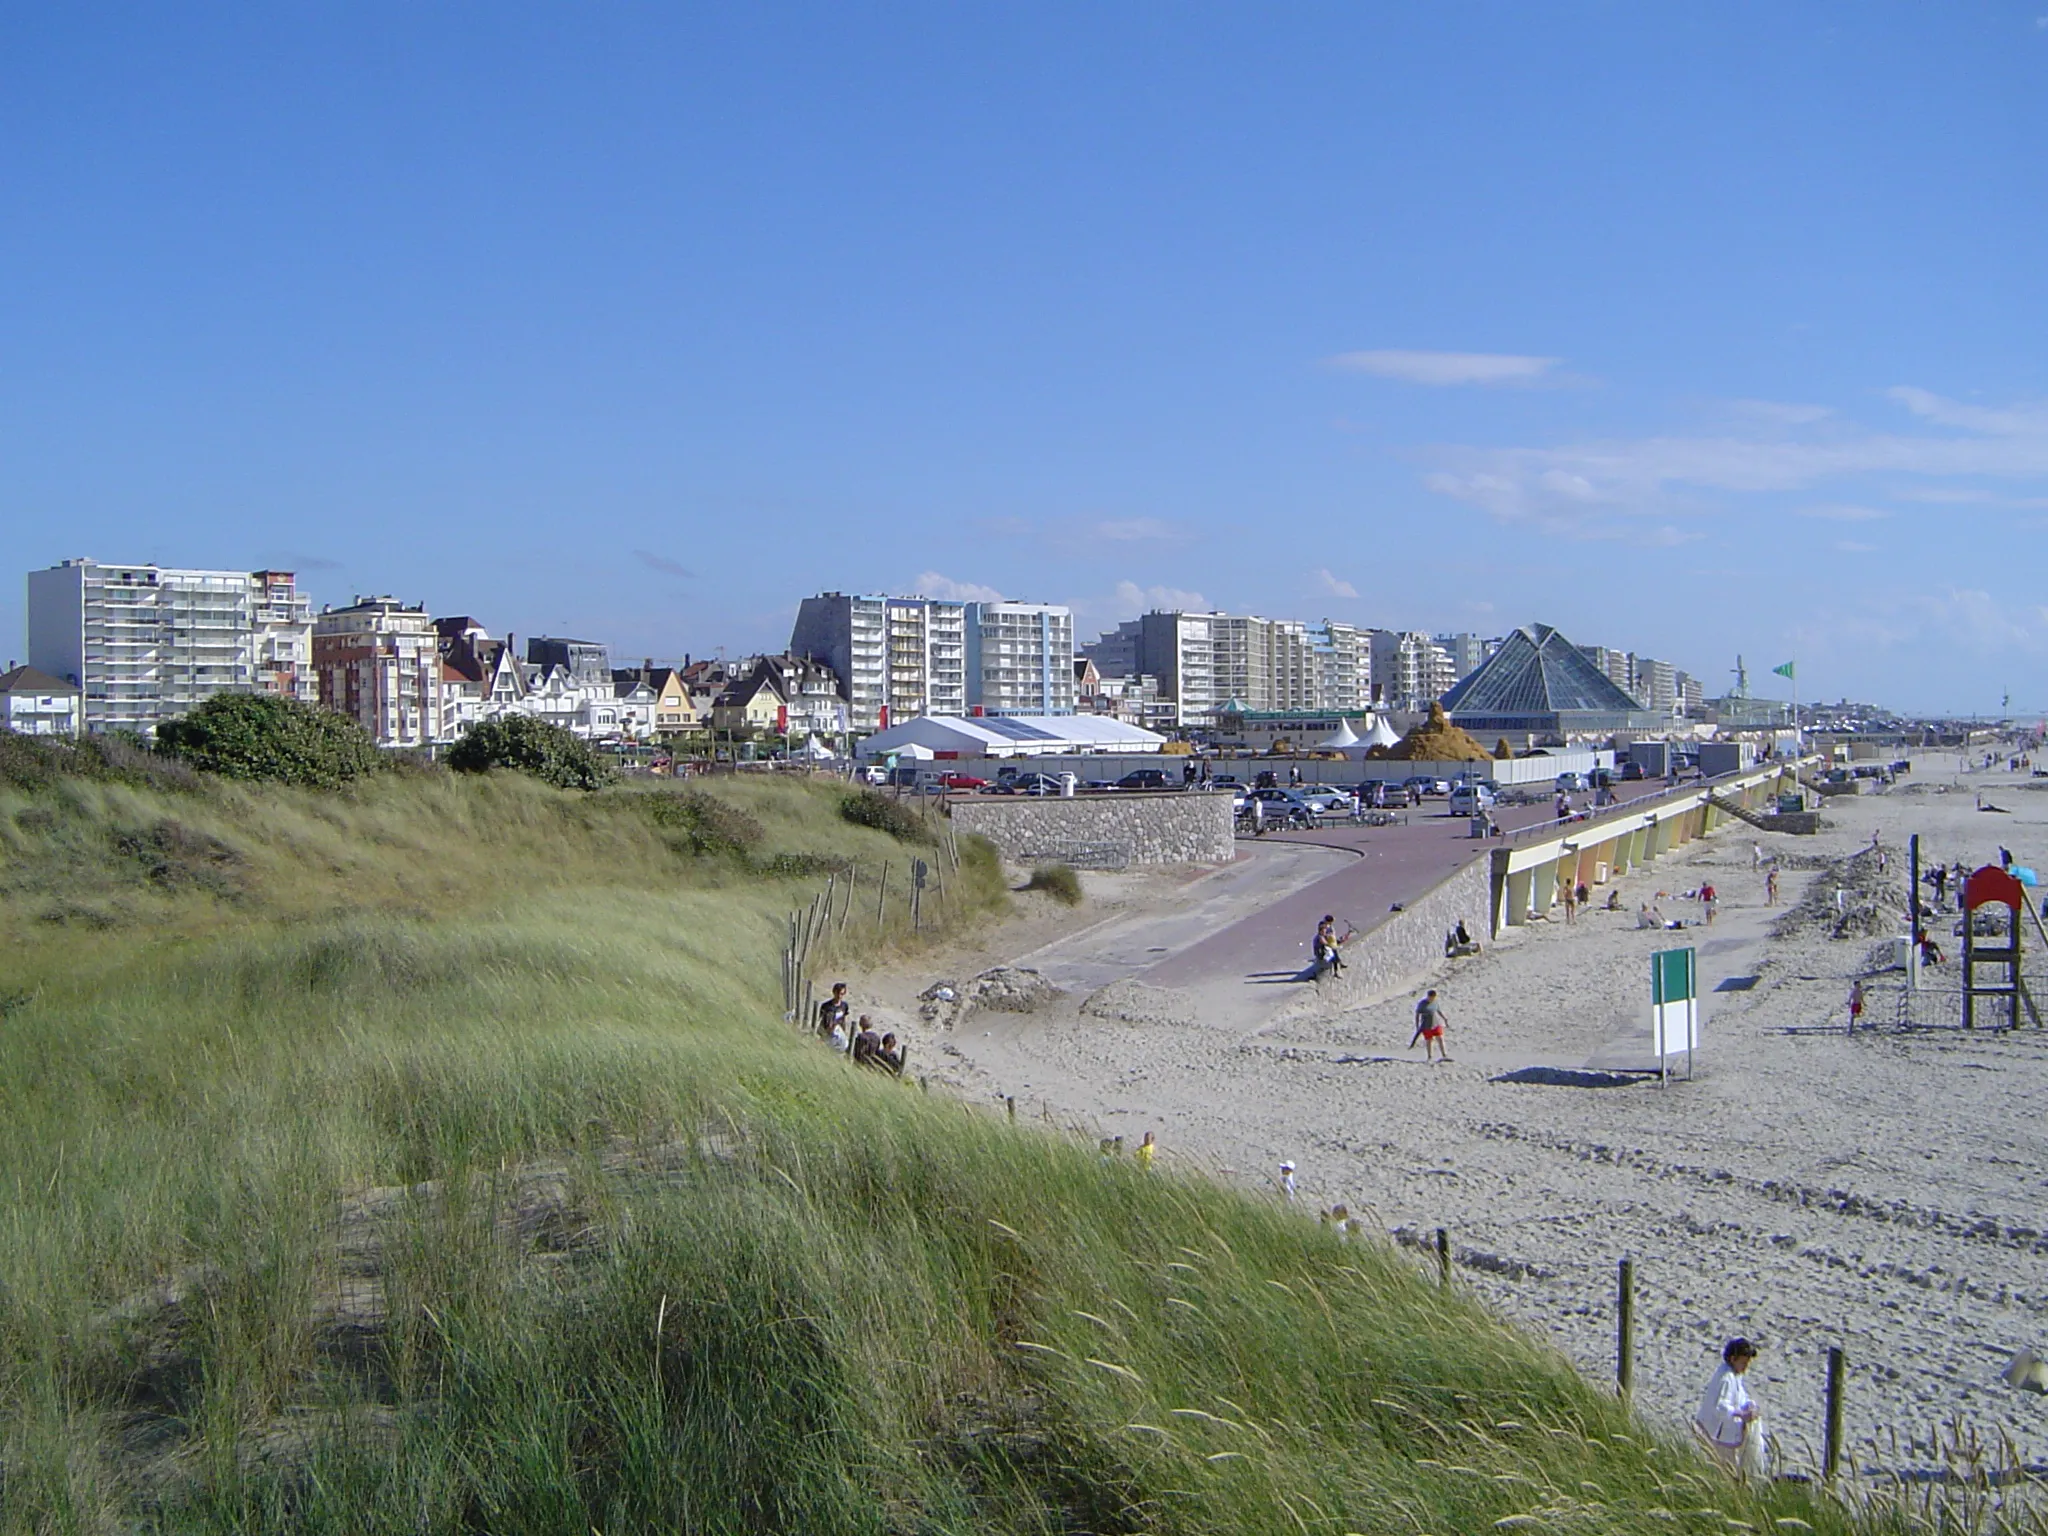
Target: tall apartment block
<point x="147" y="643"/>
<point x="379" y="662"/>
<point x="1409" y="670"/>
<point x="1343" y="666"/>
<point x="1206" y="660"/>
<point x="1020" y="659"/>
<point x="896" y="656"/>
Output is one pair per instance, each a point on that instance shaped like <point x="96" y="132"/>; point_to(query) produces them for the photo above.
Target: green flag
<point x="1784" y="671"/>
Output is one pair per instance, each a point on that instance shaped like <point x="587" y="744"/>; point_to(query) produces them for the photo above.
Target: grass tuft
<point x="1059" y="881"/>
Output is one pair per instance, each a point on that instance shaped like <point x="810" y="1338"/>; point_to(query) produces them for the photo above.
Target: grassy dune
<point x="436" y="1159"/>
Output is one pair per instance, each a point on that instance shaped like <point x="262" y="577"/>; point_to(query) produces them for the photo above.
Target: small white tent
<point x="1379" y="734"/>
<point x="817" y="751"/>
<point x="1342" y="739"/>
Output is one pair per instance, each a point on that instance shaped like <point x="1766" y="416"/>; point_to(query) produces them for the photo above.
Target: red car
<point x="962" y="781"/>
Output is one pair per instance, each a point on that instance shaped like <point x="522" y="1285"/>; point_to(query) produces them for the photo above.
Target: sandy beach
<point x="1807" y="1187"/>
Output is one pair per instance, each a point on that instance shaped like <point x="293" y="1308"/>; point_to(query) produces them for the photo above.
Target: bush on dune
<point x="548" y="752"/>
<point x="260" y="736"/>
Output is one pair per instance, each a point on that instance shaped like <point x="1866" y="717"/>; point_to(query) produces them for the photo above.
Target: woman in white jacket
<point x="1728" y="1418"/>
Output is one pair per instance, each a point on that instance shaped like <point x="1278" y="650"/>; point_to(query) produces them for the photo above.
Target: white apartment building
<point x="147" y="643"/>
<point x="1020" y="659"/>
<point x="1409" y="670"/>
<point x="896" y="656"/>
<point x="378" y="661"/>
<point x="1656" y="684"/>
<point x="1343" y="654"/>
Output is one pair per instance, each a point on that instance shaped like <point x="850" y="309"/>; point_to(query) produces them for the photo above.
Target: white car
<point x="1327" y="800"/>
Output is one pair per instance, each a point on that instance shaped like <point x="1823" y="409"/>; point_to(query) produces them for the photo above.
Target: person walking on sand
<point x="1729" y="1419"/>
<point x="1756" y="856"/>
<point x="1855" y="1002"/>
<point x="1771" y="886"/>
<point x="1429" y="1026"/>
<point x="1147" y="1149"/>
<point x="1287" y="1182"/>
<point x="1708" y="900"/>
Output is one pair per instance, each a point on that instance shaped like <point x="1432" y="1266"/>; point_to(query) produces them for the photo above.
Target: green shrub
<point x="1057" y="881"/>
<point x="548" y="752"/>
<point x="264" y="736"/>
<point x="872" y="808"/>
<point x="41" y="762"/>
<point x="709" y="825"/>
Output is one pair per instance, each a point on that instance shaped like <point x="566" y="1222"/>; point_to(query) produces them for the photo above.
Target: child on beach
<point x="1771" y="886"/>
<point x="1855" y="1002"/>
<point x="1429" y="1027"/>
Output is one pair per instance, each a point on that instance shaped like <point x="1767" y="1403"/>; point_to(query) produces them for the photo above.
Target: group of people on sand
<point x="861" y="1041"/>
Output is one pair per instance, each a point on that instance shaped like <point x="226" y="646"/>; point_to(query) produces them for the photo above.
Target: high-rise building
<point x="1656" y="684"/>
<point x="1204" y="661"/>
<point x="1343" y="655"/>
<point x="1409" y="670"/>
<point x="1619" y="667"/>
<point x="896" y="656"/>
<point x="283" y="620"/>
<point x="1692" y="697"/>
<point x="1020" y="659"/>
<point x="1466" y="651"/>
<point x="379" y="662"/>
<point x="147" y="643"/>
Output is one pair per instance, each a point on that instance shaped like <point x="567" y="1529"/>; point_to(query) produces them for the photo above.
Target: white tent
<point x="1379" y="734"/>
<point x="1342" y="739"/>
<point x="818" y="751"/>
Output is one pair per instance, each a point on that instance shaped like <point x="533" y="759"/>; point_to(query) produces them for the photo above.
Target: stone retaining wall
<point x="1409" y="945"/>
<point x="1104" y="831"/>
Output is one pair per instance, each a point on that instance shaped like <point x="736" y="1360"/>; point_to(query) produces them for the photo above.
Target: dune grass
<point x="444" y="1165"/>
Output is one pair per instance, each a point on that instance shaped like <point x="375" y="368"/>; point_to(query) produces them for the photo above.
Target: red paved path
<point x="1395" y="864"/>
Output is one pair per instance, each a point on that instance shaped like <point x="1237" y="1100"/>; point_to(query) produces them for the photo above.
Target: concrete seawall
<point x="1103" y="831"/>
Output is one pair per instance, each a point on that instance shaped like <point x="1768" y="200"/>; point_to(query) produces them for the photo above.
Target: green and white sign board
<point x="1674" y="1006"/>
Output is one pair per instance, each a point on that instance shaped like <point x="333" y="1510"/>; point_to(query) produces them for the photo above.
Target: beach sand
<point x="1807" y="1188"/>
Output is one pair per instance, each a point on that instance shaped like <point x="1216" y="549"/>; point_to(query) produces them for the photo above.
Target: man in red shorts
<point x="1429" y="1026"/>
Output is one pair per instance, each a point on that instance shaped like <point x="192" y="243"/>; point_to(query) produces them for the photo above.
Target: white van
<point x="1470" y="797"/>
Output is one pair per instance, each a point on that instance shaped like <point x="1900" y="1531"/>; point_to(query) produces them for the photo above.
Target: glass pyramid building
<point x="1541" y="683"/>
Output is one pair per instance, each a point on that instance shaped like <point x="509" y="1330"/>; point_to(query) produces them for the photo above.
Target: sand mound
<point x="1011" y="989"/>
<point x="1133" y="1002"/>
<point x="1850" y="900"/>
<point x="1436" y="740"/>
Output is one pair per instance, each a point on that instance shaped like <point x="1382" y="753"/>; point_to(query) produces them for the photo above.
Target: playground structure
<point x="1992" y="886"/>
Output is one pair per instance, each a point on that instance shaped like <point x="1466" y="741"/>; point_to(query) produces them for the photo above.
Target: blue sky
<point x="1690" y="330"/>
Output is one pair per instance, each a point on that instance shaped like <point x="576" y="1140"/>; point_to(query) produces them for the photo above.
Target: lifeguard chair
<point x="1992" y="886"/>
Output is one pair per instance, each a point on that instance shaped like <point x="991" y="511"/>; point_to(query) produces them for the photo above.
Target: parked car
<point x="1029" y="784"/>
<point x="1226" y="781"/>
<point x="1144" y="778"/>
<point x="1471" y="797"/>
<point x="1284" y="807"/>
<point x="874" y="773"/>
<point x="965" y="781"/>
<point x="1630" y="771"/>
<point x="1327" y="799"/>
<point x="1571" y="783"/>
<point x="1426" y="784"/>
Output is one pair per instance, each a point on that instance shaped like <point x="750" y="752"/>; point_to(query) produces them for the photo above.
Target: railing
<point x="1542" y="831"/>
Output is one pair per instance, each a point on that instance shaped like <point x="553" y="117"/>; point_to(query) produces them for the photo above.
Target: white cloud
<point x="1333" y="586"/>
<point x="1137" y="530"/>
<point x="1835" y="512"/>
<point x="1439" y="368"/>
<point x="945" y="588"/>
<point x="1599" y="489"/>
<point x="1136" y="599"/>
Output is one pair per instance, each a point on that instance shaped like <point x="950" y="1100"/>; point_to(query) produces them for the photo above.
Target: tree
<point x="265" y="736"/>
<point x="532" y="746"/>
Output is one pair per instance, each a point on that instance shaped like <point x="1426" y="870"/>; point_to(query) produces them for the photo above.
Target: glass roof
<point x="1537" y="671"/>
